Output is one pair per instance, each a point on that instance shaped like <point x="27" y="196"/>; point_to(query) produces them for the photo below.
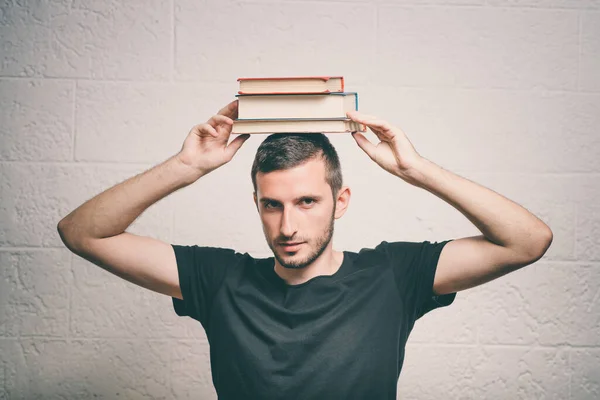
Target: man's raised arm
<point x="512" y="237"/>
<point x="96" y="229"/>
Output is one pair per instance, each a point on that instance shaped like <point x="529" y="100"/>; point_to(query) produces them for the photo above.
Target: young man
<point x="310" y="322"/>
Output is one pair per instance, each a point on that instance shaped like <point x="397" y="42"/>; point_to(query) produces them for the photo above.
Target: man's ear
<point x="255" y="200"/>
<point x="342" y="201"/>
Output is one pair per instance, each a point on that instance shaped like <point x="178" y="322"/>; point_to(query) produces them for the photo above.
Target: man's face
<point x="297" y="210"/>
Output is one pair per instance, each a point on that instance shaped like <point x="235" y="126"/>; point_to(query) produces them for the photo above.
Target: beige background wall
<point x="503" y="92"/>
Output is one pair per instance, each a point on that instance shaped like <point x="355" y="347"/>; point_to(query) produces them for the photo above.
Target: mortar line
<point x="79" y="163"/>
<point x="29" y="249"/>
<point x="568" y="347"/>
<point x="532" y="90"/>
<point x="391" y="3"/>
<point x="475" y="173"/>
<point x="562" y="346"/>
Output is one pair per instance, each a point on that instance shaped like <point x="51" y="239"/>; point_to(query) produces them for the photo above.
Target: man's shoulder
<point x="386" y="246"/>
<point x="394" y="250"/>
<point x="202" y="253"/>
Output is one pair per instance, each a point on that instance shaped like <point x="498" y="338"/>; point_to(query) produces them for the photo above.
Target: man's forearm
<point x="112" y="211"/>
<point x="499" y="219"/>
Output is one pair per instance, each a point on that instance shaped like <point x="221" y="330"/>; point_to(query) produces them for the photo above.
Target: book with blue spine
<point x="297" y="106"/>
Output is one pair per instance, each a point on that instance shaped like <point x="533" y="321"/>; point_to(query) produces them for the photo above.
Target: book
<point x="297" y="125"/>
<point x="291" y="84"/>
<point x="264" y="106"/>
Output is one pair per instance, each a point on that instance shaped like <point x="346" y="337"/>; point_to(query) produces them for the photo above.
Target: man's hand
<point x="394" y="153"/>
<point x="206" y="148"/>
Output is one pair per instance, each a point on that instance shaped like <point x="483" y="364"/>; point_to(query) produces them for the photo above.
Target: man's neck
<point x="328" y="263"/>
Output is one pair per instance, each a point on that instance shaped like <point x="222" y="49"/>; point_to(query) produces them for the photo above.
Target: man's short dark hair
<point x="281" y="151"/>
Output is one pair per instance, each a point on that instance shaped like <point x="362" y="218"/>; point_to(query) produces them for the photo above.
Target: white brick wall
<point x="504" y="92"/>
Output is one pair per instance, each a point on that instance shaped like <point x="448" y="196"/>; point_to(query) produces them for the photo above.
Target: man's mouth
<point x="290" y="246"/>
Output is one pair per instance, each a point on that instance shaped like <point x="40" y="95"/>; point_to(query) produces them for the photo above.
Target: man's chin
<point x="291" y="261"/>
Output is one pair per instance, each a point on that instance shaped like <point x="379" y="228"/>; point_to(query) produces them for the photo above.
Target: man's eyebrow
<point x="306" y="196"/>
<point x="267" y="200"/>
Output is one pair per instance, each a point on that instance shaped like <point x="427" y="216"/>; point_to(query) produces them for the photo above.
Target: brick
<point x="510" y="310"/>
<point x="588" y="232"/>
<point x="87" y="40"/>
<point x="5" y="362"/>
<point x="118" y="369"/>
<point x="477" y="47"/>
<point x="31" y="208"/>
<point x="470" y="372"/>
<point x="587" y="192"/>
<point x="38" y="368"/>
<point x="214" y="38"/>
<point x="36" y="120"/>
<point x="106" y="306"/>
<point x="546" y="3"/>
<point x="129" y="369"/>
<point x="457" y="324"/>
<point x="590" y="52"/>
<point x="190" y="370"/>
<point x="34" y="292"/>
<point x="584" y="368"/>
<point x="550" y="304"/>
<point x="57" y="369"/>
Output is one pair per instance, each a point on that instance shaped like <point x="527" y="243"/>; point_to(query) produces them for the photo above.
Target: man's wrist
<point x="417" y="174"/>
<point x="188" y="173"/>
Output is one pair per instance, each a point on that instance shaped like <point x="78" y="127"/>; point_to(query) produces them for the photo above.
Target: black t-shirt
<point x="332" y="337"/>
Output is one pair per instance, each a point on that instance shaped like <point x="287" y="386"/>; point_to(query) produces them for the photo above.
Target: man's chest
<point x="280" y="340"/>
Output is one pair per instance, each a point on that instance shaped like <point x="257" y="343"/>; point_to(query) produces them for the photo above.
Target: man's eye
<point x="308" y="202"/>
<point x="270" y="205"/>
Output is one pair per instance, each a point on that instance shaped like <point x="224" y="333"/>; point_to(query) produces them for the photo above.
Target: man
<point x="310" y="322"/>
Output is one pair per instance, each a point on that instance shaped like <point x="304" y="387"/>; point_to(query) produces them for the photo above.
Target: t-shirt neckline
<point x="342" y="271"/>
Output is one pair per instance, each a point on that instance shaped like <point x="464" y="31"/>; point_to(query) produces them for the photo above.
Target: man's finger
<point x="236" y="143"/>
<point x="230" y="110"/>
<point x="219" y="119"/>
<point x="365" y="144"/>
<point x="205" y="129"/>
<point x="372" y="122"/>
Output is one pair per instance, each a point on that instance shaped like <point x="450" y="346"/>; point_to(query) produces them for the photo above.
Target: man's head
<point x="298" y="191"/>
<point x="284" y="151"/>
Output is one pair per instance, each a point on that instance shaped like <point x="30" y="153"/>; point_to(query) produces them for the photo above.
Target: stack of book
<point x="295" y="105"/>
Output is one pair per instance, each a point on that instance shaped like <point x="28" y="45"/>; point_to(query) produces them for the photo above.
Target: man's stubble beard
<point x="321" y="245"/>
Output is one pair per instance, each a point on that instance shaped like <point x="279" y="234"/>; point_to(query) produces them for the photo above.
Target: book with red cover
<point x="291" y="85"/>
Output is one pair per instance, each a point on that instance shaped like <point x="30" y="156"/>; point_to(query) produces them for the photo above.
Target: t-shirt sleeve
<point x="414" y="265"/>
<point x="202" y="271"/>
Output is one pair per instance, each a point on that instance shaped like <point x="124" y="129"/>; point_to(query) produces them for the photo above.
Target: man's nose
<point x="288" y="227"/>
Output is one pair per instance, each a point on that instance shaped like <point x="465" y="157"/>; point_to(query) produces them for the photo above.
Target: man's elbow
<point x="67" y="237"/>
<point x="540" y="243"/>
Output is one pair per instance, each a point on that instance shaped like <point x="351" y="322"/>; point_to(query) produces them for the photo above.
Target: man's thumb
<point x="236" y="143"/>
